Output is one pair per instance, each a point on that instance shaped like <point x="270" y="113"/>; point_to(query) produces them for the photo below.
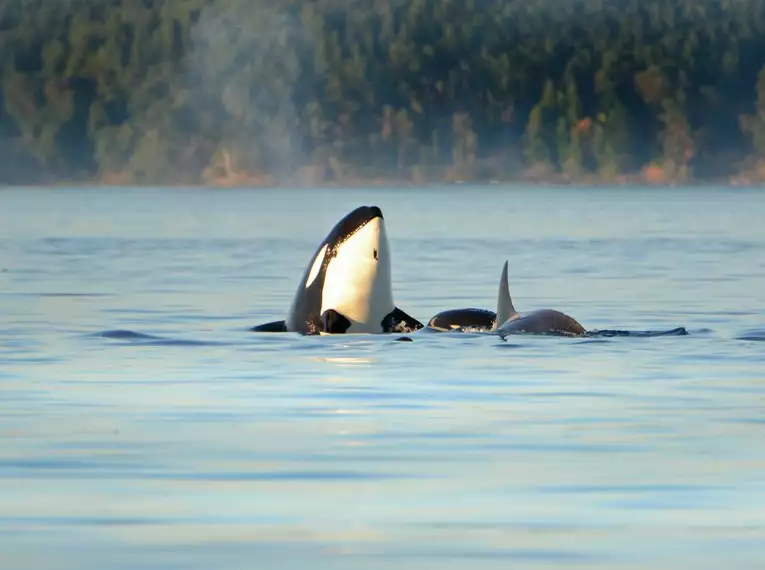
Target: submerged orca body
<point x="346" y="288"/>
<point x="543" y="321"/>
<point x="507" y="320"/>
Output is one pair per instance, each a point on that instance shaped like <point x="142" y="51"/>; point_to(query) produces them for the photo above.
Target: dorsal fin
<point x="505" y="309"/>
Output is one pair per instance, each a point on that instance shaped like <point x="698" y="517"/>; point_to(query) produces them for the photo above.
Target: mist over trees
<point x="345" y="91"/>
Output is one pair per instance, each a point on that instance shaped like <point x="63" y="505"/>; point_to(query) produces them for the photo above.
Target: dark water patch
<point x="412" y="434"/>
<point x="222" y="476"/>
<point x="702" y="331"/>
<point x="571" y="394"/>
<point x="181" y="342"/>
<point x="136" y="311"/>
<point x="142" y="339"/>
<point x="29" y="360"/>
<point x="25" y="465"/>
<point x="754" y="388"/>
<point x="332" y="412"/>
<point x="477" y="445"/>
<point x="708" y="279"/>
<point x="142" y="521"/>
<point x="710" y="313"/>
<point x="737" y="313"/>
<point x="126" y="469"/>
<point x="750" y="421"/>
<point x="646" y="488"/>
<point x="56" y="294"/>
<point x="109" y="445"/>
<point x="172" y="291"/>
<point x="539" y="527"/>
<point x="73" y="295"/>
<point x="663" y="502"/>
<point x="756" y="335"/>
<point x="285" y="475"/>
<point x="87" y="521"/>
<point x="494" y="383"/>
<point x="122" y="334"/>
<point x="494" y="553"/>
<point x="568" y="447"/>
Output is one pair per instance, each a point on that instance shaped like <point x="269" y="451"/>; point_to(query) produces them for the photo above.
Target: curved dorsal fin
<point x="505" y="309"/>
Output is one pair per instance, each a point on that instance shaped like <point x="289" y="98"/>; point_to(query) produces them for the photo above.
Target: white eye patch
<point x="316" y="266"/>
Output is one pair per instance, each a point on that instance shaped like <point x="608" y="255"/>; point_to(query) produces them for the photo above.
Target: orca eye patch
<point x="375" y="253"/>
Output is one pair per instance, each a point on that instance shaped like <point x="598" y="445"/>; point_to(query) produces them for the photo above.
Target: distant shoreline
<point x="358" y="184"/>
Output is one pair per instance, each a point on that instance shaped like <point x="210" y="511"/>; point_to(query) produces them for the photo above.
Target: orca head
<point x="347" y="285"/>
<point x="357" y="278"/>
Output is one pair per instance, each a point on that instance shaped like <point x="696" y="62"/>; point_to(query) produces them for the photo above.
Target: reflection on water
<point x="142" y="426"/>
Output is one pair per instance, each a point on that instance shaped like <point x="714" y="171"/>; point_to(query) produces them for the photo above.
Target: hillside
<point x="361" y="91"/>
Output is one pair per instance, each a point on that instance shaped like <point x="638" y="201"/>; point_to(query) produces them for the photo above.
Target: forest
<point x="311" y="92"/>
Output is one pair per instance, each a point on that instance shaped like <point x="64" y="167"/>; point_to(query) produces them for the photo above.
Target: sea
<point x="144" y="426"/>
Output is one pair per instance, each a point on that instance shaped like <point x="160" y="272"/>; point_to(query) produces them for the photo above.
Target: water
<point x="205" y="446"/>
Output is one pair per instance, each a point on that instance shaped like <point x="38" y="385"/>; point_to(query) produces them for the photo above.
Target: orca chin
<point x="346" y="287"/>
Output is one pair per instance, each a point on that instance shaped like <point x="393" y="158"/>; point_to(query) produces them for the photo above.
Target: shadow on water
<point x="136" y="338"/>
<point x="757" y="335"/>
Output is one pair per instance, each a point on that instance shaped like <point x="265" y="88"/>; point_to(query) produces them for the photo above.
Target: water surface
<point x="188" y="442"/>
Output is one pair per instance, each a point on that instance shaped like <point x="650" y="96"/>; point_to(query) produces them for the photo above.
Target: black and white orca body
<point x="463" y="319"/>
<point x="346" y="288"/>
<point x="507" y="320"/>
<point x="477" y="320"/>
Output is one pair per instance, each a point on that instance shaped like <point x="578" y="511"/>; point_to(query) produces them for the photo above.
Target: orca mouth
<point x="374" y="212"/>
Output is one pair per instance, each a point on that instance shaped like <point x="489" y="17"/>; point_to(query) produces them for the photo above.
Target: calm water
<point x="211" y="447"/>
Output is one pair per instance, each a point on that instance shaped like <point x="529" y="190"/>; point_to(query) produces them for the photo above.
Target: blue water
<point x="185" y="441"/>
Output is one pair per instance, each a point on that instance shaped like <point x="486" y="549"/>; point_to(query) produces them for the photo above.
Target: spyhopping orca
<point x="346" y="287"/>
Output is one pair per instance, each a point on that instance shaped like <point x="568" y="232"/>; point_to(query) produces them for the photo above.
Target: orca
<point x="346" y="287"/>
<point x="461" y="319"/>
<point x="542" y="321"/>
<point x="506" y="320"/>
<point x="478" y="320"/>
